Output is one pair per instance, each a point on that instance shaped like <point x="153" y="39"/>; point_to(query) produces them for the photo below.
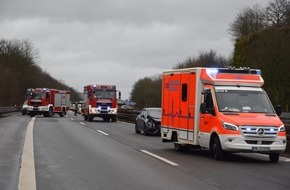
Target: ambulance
<point x="224" y="110"/>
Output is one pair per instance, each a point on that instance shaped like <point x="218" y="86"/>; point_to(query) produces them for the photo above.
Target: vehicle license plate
<point x="258" y="149"/>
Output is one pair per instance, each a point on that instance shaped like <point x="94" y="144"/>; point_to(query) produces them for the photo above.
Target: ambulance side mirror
<point x="278" y="110"/>
<point x="203" y="108"/>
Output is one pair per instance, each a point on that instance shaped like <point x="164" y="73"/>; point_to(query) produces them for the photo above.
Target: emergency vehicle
<point x="47" y="101"/>
<point x="100" y="101"/>
<point x="224" y="110"/>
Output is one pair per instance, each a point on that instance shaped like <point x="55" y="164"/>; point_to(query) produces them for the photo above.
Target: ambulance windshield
<point x="243" y="101"/>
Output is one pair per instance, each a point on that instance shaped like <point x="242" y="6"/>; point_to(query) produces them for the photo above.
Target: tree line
<point x="261" y="40"/>
<point x="253" y="19"/>
<point x="19" y="71"/>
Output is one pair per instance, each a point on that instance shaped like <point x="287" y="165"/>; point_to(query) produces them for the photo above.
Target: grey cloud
<point x="118" y="41"/>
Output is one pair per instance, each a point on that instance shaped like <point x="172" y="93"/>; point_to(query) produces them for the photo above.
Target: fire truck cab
<point x="224" y="110"/>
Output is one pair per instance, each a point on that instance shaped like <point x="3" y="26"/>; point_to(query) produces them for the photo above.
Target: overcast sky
<point x="118" y="42"/>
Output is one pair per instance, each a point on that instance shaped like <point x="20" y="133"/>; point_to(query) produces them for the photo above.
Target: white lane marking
<point x="160" y="158"/>
<point x="72" y="119"/>
<point x="102" y="132"/>
<point x="82" y="123"/>
<point x="284" y="159"/>
<point x="281" y="158"/>
<point x="27" y="171"/>
<point x="127" y="123"/>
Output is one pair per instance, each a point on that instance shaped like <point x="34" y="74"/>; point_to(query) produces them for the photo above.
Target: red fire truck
<point x="47" y="101"/>
<point x="100" y="101"/>
<point x="224" y="110"/>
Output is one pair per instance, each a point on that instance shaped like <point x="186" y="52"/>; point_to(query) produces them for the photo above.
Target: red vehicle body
<point x="100" y="101"/>
<point x="223" y="110"/>
<point x="47" y="101"/>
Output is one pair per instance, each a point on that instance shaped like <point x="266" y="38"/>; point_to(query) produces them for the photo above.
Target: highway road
<point x="70" y="153"/>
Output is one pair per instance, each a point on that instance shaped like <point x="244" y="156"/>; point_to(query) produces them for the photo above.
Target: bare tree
<point x="277" y="13"/>
<point x="146" y="92"/>
<point x="247" y="21"/>
<point x="205" y="59"/>
<point x="19" y="70"/>
<point x="288" y="13"/>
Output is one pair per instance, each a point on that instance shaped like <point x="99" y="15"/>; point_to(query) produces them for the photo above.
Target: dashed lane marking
<point x="102" y="132"/>
<point x="160" y="158"/>
<point x="127" y="123"/>
<point x="72" y="119"/>
<point x="82" y="123"/>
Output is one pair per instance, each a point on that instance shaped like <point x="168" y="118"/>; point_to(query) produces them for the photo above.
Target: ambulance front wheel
<point x="274" y="157"/>
<point x="216" y="149"/>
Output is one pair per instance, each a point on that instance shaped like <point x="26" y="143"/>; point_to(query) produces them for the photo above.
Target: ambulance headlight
<point x="282" y="128"/>
<point x="230" y="126"/>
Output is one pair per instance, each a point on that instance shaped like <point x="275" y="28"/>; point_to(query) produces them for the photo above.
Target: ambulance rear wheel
<point x="216" y="149"/>
<point x="274" y="157"/>
<point x="178" y="147"/>
<point x="182" y="147"/>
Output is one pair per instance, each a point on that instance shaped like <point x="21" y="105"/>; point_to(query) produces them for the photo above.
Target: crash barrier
<point x="128" y="115"/>
<point x="4" y="110"/>
<point x="285" y="117"/>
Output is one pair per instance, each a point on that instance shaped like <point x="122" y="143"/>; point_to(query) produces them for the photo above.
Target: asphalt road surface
<point x="70" y="153"/>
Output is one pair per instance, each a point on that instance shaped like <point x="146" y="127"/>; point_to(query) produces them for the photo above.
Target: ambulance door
<point x="173" y="100"/>
<point x="191" y="104"/>
<point x="207" y="119"/>
<point x="183" y="109"/>
<point x="165" y="102"/>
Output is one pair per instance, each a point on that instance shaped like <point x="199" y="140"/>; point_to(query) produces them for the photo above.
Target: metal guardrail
<point x="127" y="115"/>
<point x="285" y="117"/>
<point x="4" y="110"/>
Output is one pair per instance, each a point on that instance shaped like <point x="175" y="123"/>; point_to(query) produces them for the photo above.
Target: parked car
<point x="148" y="121"/>
<point x="24" y="108"/>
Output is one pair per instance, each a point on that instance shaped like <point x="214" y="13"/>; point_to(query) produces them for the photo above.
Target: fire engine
<point x="47" y="101"/>
<point x="224" y="110"/>
<point x="100" y="101"/>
